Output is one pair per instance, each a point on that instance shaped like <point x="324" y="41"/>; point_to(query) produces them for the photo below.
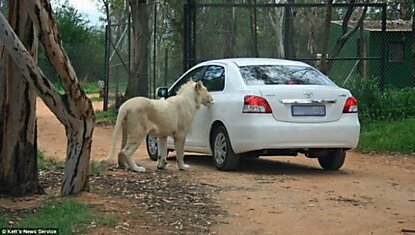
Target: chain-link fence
<point x="364" y="41"/>
<point x="118" y="56"/>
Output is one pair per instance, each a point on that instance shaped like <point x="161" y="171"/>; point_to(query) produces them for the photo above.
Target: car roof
<point x="256" y="61"/>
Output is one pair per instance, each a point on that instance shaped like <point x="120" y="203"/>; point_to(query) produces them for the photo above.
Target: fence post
<point x="166" y="66"/>
<point x="185" y="36"/>
<point x="154" y="51"/>
<point x="383" y="52"/>
<point x="107" y="67"/>
<point x="287" y="30"/>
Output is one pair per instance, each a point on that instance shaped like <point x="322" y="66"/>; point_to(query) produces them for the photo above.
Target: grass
<point x="388" y="136"/>
<point x="97" y="168"/>
<point x="95" y="99"/>
<point x="109" y="116"/>
<point x="91" y="88"/>
<point x="44" y="163"/>
<point x="68" y="216"/>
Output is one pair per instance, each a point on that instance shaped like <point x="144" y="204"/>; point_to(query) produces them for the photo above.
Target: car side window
<point x="214" y="78"/>
<point x="193" y="75"/>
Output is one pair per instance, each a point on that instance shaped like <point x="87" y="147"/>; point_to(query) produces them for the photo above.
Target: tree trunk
<point x="73" y="109"/>
<point x="138" y="82"/>
<point x="346" y="34"/>
<point x="18" y="145"/>
<point x="229" y="31"/>
<point x="276" y="19"/>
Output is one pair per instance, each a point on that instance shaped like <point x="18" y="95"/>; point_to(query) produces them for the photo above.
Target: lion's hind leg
<point x="133" y="141"/>
<point x="162" y="154"/>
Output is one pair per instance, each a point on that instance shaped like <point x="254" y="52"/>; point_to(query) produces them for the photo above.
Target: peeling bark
<point x="73" y="109"/>
<point x="18" y="145"/>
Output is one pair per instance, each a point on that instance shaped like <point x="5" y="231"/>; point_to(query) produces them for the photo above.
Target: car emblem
<point x="308" y="94"/>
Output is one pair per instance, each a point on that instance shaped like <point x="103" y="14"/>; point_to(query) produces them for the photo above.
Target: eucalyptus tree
<point x="18" y="173"/>
<point x="140" y="14"/>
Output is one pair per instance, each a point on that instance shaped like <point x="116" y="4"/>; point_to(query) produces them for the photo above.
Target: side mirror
<point x="162" y="92"/>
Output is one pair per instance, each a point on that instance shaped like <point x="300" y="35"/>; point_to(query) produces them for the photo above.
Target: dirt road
<point x="371" y="194"/>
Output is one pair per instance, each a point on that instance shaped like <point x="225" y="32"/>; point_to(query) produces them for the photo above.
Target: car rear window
<point x="283" y="74"/>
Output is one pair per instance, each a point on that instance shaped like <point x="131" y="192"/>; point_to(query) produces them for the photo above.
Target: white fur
<point x="173" y="117"/>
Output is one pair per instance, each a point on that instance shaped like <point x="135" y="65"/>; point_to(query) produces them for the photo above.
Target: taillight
<point x="350" y="106"/>
<point x="256" y="104"/>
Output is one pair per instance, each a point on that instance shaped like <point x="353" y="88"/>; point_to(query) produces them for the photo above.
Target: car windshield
<point x="283" y="74"/>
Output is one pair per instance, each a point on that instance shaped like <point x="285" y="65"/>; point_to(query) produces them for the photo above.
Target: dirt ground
<point x="371" y="194"/>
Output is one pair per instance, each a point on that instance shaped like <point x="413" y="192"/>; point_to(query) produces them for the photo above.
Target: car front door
<point x="194" y="75"/>
<point x="214" y="80"/>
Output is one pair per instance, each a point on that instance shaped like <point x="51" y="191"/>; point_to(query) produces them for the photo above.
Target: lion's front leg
<point x="179" y="146"/>
<point x="162" y="153"/>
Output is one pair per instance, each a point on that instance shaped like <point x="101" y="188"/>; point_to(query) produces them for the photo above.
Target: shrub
<point x="375" y="105"/>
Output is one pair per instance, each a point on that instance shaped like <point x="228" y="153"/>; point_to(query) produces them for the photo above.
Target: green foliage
<point x="95" y="99"/>
<point x="69" y="216"/>
<point x="83" y="44"/>
<point x="387" y="117"/>
<point x="45" y="163"/>
<point x="97" y="168"/>
<point x="109" y="116"/>
<point x="91" y="88"/>
<point x="374" y="105"/>
<point x="388" y="136"/>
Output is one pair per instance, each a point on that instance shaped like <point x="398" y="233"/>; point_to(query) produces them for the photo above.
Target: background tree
<point x="276" y="16"/>
<point x="229" y="28"/>
<point x="138" y="82"/>
<point x="73" y="108"/>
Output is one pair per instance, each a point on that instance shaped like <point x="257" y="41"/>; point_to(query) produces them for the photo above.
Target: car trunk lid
<point x="305" y="103"/>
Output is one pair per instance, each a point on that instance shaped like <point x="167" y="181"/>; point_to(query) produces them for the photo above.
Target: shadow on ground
<point x="263" y="165"/>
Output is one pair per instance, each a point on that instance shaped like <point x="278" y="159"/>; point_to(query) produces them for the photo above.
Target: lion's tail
<point x="117" y="129"/>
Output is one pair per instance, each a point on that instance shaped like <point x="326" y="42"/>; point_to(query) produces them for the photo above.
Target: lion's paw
<point x="184" y="167"/>
<point x="161" y="164"/>
<point x="139" y="169"/>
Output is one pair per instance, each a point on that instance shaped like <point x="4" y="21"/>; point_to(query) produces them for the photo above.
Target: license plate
<point x="308" y="110"/>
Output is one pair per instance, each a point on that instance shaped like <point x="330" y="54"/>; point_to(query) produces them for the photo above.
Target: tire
<point x="223" y="156"/>
<point x="152" y="147"/>
<point x="333" y="160"/>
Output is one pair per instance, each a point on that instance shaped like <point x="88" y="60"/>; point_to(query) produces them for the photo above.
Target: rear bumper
<point x="259" y="132"/>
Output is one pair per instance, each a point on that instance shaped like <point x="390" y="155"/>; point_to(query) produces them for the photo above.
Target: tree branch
<point x="40" y="12"/>
<point x="30" y="71"/>
<point x="346" y="35"/>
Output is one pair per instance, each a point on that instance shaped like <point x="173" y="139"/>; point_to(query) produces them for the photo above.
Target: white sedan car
<point x="266" y="107"/>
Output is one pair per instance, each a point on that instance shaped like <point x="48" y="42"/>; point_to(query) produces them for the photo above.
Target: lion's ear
<point x="198" y="85"/>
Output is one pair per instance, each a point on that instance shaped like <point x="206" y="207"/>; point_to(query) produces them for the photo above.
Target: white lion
<point x="173" y="117"/>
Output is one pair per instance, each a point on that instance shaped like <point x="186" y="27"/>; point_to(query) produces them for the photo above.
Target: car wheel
<point x="223" y="156"/>
<point x="333" y="160"/>
<point x="152" y="147"/>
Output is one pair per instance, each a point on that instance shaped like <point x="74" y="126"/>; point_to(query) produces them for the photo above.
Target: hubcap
<point x="152" y="145"/>
<point x="220" y="148"/>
